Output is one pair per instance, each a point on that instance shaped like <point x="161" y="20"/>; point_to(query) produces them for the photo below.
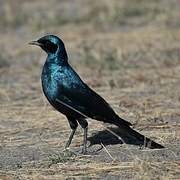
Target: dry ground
<point x="128" y="51"/>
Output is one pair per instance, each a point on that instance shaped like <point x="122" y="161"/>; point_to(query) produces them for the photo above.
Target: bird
<point x="71" y="96"/>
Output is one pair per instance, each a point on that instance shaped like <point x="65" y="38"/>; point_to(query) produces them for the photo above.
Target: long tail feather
<point x="128" y="133"/>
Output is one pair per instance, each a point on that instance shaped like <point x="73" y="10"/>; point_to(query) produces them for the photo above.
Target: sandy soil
<point x="129" y="52"/>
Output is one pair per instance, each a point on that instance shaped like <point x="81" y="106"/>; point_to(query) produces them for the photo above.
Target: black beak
<point x="35" y="43"/>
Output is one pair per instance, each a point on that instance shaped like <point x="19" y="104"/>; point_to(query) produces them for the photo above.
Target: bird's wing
<point x="84" y="100"/>
<point x="88" y="102"/>
<point x="78" y="96"/>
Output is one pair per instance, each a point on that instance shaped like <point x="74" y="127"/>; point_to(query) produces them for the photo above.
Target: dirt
<point x="127" y="52"/>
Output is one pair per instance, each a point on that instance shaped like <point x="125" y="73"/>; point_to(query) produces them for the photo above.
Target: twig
<point x="107" y="151"/>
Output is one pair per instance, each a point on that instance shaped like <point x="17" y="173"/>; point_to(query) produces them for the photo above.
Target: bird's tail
<point x="130" y="135"/>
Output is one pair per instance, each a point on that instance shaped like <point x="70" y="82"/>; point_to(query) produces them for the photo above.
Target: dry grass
<point x="129" y="52"/>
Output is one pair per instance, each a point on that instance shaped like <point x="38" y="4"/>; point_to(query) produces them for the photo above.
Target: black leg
<point x="70" y="138"/>
<point x="84" y="125"/>
<point x="73" y="124"/>
<point x="84" y="150"/>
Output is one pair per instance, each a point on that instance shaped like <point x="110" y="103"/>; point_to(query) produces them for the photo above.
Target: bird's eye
<point x="50" y="47"/>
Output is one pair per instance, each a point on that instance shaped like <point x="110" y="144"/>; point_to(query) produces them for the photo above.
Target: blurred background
<point x="128" y="51"/>
<point x="112" y="37"/>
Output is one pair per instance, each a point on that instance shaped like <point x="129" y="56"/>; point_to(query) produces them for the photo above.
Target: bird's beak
<point x="35" y="43"/>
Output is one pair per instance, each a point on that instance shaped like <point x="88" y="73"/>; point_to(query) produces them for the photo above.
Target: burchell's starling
<point x="68" y="94"/>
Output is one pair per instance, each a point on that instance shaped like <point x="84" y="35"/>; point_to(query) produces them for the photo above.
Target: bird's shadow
<point x="112" y="136"/>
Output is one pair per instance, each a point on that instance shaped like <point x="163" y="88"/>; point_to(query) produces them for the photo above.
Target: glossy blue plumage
<point x="67" y="93"/>
<point x="61" y="82"/>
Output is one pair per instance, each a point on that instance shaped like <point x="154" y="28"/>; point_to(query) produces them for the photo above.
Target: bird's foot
<point x="92" y="150"/>
<point x="84" y="151"/>
<point x="67" y="150"/>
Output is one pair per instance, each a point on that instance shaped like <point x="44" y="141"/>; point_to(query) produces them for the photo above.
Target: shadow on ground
<point x="112" y="136"/>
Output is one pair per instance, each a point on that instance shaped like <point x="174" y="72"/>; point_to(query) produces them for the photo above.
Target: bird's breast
<point x="50" y="83"/>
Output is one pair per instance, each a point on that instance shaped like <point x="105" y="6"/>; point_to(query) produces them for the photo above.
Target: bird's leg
<point x="84" y="125"/>
<point x="84" y="150"/>
<point x="70" y="138"/>
<point x="73" y="124"/>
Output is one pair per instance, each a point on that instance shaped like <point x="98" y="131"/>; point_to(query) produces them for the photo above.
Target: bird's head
<point x="50" y="44"/>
